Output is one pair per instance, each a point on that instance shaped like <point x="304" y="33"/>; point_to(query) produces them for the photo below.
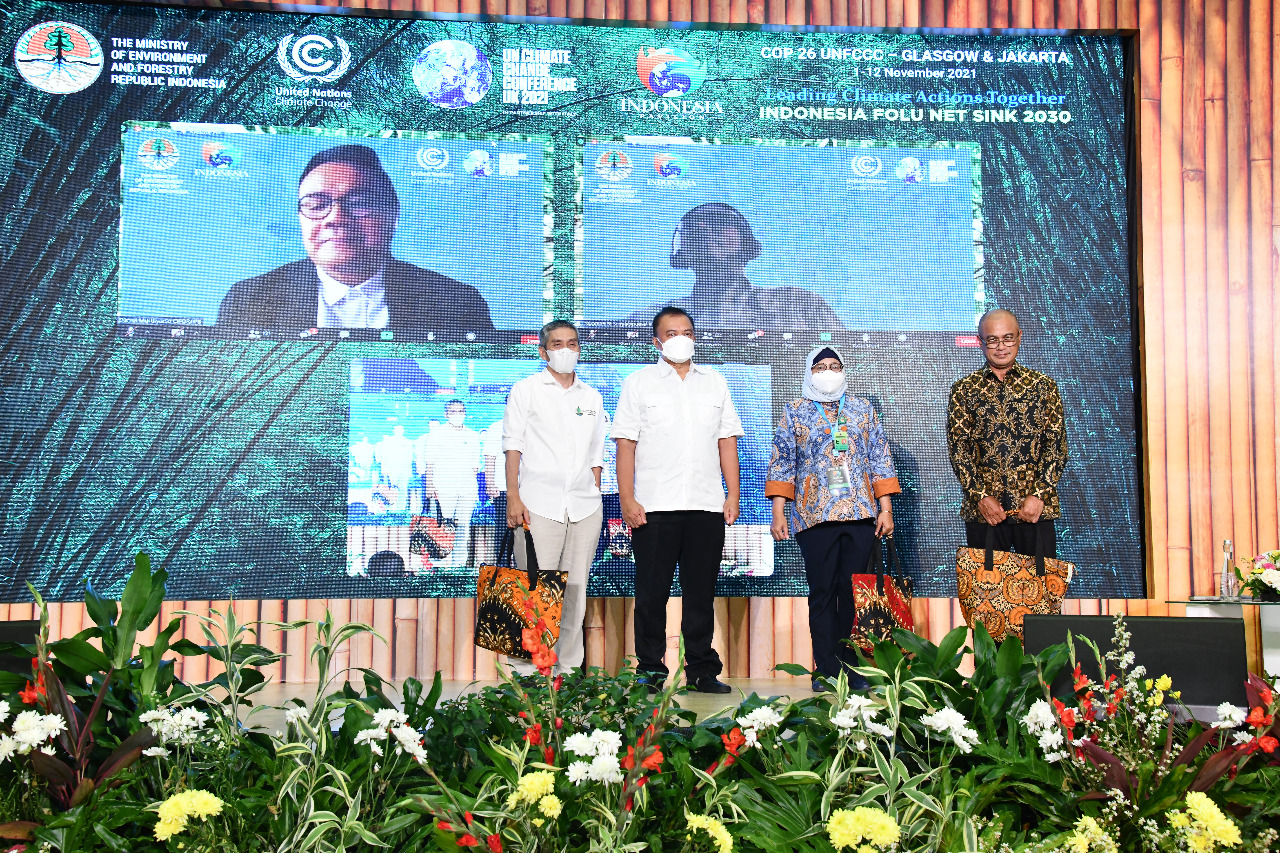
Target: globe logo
<point x="866" y="166"/>
<point x="220" y="155"/>
<point x="58" y="57"/>
<point x="670" y="165"/>
<point x="158" y="154"/>
<point x="478" y="164"/>
<point x="669" y="71"/>
<point x="910" y="170"/>
<point x="452" y="74"/>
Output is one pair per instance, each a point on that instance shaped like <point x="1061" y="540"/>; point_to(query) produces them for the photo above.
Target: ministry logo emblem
<point x="58" y="57"/>
<point x="311" y="57"/>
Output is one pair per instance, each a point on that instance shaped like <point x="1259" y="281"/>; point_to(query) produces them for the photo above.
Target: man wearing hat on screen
<point x="347" y="211"/>
<point x="716" y="242"/>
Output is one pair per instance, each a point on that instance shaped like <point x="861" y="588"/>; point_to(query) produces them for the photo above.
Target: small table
<point x="1233" y="608"/>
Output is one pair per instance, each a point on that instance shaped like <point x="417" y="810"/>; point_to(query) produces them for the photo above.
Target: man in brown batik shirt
<point x="1008" y="444"/>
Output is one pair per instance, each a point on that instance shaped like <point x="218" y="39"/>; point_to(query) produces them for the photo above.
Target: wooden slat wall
<point x="1209" y="111"/>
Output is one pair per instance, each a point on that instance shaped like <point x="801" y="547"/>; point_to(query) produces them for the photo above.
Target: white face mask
<point x="457" y="418"/>
<point x="678" y="350"/>
<point x="829" y="381"/>
<point x="562" y="360"/>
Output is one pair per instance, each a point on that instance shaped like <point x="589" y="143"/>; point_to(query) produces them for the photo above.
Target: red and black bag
<point x="432" y="535"/>
<point x="882" y="597"/>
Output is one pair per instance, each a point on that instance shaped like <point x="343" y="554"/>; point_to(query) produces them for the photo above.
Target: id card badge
<point x="838" y="481"/>
<point x="840" y="438"/>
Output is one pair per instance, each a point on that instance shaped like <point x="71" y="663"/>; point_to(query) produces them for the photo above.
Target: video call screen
<point x="250" y="259"/>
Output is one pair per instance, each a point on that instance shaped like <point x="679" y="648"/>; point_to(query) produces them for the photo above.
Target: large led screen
<point x="247" y="258"/>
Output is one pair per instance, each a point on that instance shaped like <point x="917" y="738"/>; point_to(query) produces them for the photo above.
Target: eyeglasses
<point x="1008" y="340"/>
<point x="358" y="205"/>
<point x="822" y="368"/>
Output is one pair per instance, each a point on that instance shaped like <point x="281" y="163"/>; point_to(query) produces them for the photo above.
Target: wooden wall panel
<point x="1209" y="112"/>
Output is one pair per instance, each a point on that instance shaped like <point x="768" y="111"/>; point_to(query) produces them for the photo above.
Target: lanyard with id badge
<point x="839" y="480"/>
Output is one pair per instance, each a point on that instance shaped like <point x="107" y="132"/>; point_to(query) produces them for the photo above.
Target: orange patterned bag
<point x="999" y="588"/>
<point x="500" y="612"/>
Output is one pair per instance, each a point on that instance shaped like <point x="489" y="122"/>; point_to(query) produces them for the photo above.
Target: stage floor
<point x="703" y="704"/>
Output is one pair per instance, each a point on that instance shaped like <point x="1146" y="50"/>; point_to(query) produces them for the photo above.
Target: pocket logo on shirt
<point x="588" y="412"/>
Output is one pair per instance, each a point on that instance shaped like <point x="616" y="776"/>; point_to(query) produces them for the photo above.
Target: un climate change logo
<point x="58" y="57"/>
<point x="669" y="71"/>
<point x="866" y="166"/>
<point x="311" y="58"/>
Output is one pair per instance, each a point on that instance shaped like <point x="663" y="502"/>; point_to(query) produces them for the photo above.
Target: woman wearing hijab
<point x="831" y="461"/>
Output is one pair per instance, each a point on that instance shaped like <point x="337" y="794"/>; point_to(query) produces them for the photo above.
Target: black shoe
<point x="819" y="686"/>
<point x="711" y="684"/>
<point x="651" y="680"/>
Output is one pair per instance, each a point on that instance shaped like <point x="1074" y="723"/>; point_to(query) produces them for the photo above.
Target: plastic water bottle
<point x="1228" y="588"/>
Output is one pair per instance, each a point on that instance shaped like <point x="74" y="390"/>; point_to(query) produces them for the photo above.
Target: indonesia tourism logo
<point x="670" y="166"/>
<point x="313" y="57"/>
<point x="866" y="166"/>
<point x="158" y="154"/>
<point x="58" y="57"/>
<point x="613" y="165"/>
<point x="669" y="71"/>
<point x="910" y="170"/>
<point x="220" y="155"/>
<point x="452" y="74"/>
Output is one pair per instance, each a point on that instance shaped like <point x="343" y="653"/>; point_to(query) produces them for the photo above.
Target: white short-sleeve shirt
<point x="677" y="425"/>
<point x="559" y="433"/>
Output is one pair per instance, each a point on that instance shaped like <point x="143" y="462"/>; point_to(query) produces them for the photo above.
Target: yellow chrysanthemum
<point x="1164" y="682"/>
<point x="1156" y="699"/>
<point x="534" y="786"/>
<point x="1090" y="836"/>
<point x="175" y="811"/>
<point x="1179" y="820"/>
<point x="550" y="806"/>
<point x="538" y="822"/>
<point x="850" y="828"/>
<point x="714" y="828"/>
<point x="1209" y="826"/>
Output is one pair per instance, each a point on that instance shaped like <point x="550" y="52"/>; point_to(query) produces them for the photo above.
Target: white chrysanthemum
<point x="1053" y="757"/>
<point x="1229" y="716"/>
<point x="1051" y="739"/>
<point x="605" y="768"/>
<point x="1271" y="577"/>
<point x="371" y="737"/>
<point x="53" y="725"/>
<point x="1040" y="717"/>
<point x="155" y="752"/>
<point x="951" y="722"/>
<point x="844" y="719"/>
<point x="389" y="718"/>
<point x="1241" y="737"/>
<point x="181" y="726"/>
<point x="580" y="744"/>
<point x="578" y="772"/>
<point x="4" y="710"/>
<point x="861" y="705"/>
<point x="878" y="728"/>
<point x="295" y="715"/>
<point x="763" y="718"/>
<point x="410" y="741"/>
<point x="8" y="746"/>
<point x="751" y="738"/>
<point x="30" y="730"/>
<point x="606" y="742"/>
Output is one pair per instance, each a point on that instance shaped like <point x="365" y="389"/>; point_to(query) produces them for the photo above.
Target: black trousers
<point x="833" y="551"/>
<point x="694" y="541"/>
<point x="1013" y="536"/>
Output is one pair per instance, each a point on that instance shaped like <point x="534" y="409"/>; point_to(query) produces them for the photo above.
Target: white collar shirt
<point x="361" y="306"/>
<point x="559" y="433"/>
<point x="677" y="425"/>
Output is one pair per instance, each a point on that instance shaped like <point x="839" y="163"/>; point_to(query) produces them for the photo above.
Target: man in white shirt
<point x="449" y="458"/>
<point x="677" y="434"/>
<point x="553" y="433"/>
<point x="394" y="457"/>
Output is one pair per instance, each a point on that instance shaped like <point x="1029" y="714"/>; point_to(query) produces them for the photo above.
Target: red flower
<point x="468" y="840"/>
<point x="544" y="657"/>
<point x="1081" y="681"/>
<point x="1066" y="715"/>
<point x="530" y="638"/>
<point x="495" y="843"/>
<point x="522" y="714"/>
<point x="1265" y="695"/>
<point x="549" y="755"/>
<point x="556" y="685"/>
<point x="1268" y="744"/>
<point x="533" y="734"/>
<point x="1119" y="694"/>
<point x="654" y="761"/>
<point x="467" y="817"/>
<point x="640" y="782"/>
<point x="630" y="802"/>
<point x="445" y="825"/>
<point x="1258" y="718"/>
<point x="559" y="723"/>
<point x="29" y="695"/>
<point x="714" y="765"/>
<point x="629" y="760"/>
<point x="1111" y="679"/>
<point x="734" y="741"/>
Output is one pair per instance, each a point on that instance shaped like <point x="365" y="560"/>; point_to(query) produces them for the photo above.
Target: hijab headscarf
<point x="807" y="389"/>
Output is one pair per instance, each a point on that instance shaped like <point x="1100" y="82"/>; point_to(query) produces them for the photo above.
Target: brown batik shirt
<point x="1007" y="439"/>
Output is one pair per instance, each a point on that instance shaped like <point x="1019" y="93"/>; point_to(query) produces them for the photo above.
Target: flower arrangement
<point x="100" y="748"/>
<point x="1260" y="576"/>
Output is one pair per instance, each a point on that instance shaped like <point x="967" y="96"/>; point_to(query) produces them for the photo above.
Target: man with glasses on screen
<point x="1008" y="442"/>
<point x="347" y="212"/>
<point x="716" y="242"/>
